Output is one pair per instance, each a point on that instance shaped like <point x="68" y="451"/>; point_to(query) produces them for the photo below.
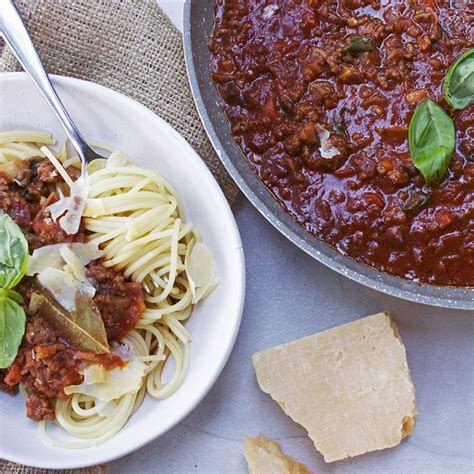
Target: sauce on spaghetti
<point x="299" y="79"/>
<point x="47" y="362"/>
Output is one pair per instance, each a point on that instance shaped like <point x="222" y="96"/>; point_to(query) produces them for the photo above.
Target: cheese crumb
<point x="264" y="456"/>
<point x="107" y="385"/>
<point x="350" y="387"/>
<point x="327" y="150"/>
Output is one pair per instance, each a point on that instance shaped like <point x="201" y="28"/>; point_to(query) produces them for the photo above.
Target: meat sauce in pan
<point x="283" y="69"/>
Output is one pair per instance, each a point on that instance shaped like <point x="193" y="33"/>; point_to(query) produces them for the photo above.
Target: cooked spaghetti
<point x="137" y="221"/>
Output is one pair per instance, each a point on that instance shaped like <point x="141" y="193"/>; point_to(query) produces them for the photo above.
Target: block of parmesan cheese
<point x="349" y="387"/>
<point x="264" y="456"/>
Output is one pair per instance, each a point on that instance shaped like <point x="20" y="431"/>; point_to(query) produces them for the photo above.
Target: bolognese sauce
<point x="319" y="96"/>
<point x="47" y="362"/>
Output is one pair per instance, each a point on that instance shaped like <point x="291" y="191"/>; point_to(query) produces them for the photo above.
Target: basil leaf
<point x="12" y="328"/>
<point x="14" y="296"/>
<point x="13" y="253"/>
<point x="3" y="312"/>
<point x="359" y="44"/>
<point x="458" y="87"/>
<point x="432" y="138"/>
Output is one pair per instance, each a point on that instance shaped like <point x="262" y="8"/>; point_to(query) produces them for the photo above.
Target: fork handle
<point x="17" y="37"/>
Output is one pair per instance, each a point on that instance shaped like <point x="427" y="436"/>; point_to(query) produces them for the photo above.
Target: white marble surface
<point x="289" y="295"/>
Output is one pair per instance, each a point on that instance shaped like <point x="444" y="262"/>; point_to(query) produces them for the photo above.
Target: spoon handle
<point x="16" y="36"/>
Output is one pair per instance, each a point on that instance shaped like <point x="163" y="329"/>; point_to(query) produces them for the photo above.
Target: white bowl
<point x="109" y="117"/>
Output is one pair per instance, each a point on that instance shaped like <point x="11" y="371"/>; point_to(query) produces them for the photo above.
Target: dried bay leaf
<point x="83" y="327"/>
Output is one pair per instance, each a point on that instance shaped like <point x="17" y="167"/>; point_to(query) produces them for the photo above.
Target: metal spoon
<point x="16" y="36"/>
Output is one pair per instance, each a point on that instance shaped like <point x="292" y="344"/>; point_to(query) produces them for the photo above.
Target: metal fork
<point x="17" y="37"/>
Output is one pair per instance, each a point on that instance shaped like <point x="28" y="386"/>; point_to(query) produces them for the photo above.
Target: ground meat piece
<point x="231" y="92"/>
<point x="12" y="201"/>
<point x="4" y="182"/>
<point x="3" y="386"/>
<point x="17" y="207"/>
<point x="42" y="176"/>
<point x="341" y="144"/>
<point x="48" y="232"/>
<point x="394" y="215"/>
<point x="120" y="302"/>
<point x="395" y="236"/>
<point x="47" y="173"/>
<point x="50" y="375"/>
<point x="23" y="178"/>
<point x="368" y="168"/>
<point x="398" y="176"/>
<point x="45" y="377"/>
<point x="40" y="408"/>
<point x="293" y="145"/>
<point x="26" y="195"/>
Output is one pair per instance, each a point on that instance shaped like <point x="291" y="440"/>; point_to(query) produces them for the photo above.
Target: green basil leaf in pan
<point x="359" y="44"/>
<point x="13" y="253"/>
<point x="458" y="84"/>
<point x="432" y="139"/>
<point x="12" y="327"/>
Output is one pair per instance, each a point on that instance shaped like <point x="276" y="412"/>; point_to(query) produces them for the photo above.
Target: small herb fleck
<point x="417" y="201"/>
<point x="359" y="44"/>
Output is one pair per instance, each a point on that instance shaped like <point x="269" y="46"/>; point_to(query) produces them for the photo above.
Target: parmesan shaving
<point x="270" y="10"/>
<point x="61" y="270"/>
<point x="73" y="264"/>
<point x="326" y="149"/>
<point x="63" y="286"/>
<point x="264" y="456"/>
<point x="200" y="270"/>
<point x="115" y="383"/>
<point x="69" y="207"/>
<point x="95" y="374"/>
<point x="71" y="221"/>
<point x="57" y="164"/>
<point x="58" y="208"/>
<point x="51" y="256"/>
<point x="204" y="291"/>
<point x="125" y="352"/>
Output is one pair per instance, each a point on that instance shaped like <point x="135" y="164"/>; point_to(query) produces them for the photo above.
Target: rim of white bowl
<point x="239" y="280"/>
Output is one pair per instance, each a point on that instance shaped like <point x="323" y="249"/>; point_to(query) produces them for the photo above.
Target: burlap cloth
<point x="131" y="47"/>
